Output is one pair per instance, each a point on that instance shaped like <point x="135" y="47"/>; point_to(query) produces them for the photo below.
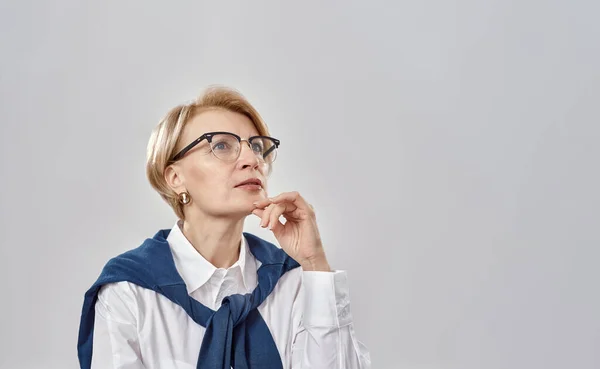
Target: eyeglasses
<point x="227" y="146"/>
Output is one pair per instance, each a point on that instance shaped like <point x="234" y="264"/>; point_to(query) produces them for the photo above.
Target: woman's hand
<point x="299" y="236"/>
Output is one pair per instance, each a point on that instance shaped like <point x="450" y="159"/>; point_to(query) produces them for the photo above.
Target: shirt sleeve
<point x="116" y="342"/>
<point x="324" y="336"/>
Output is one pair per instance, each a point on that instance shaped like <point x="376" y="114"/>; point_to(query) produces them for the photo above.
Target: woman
<point x="205" y="294"/>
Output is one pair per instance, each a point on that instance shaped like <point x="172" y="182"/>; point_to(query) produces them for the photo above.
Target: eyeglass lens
<point x="226" y="147"/>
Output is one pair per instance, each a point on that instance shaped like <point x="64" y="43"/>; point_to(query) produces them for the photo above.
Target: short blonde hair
<point x="165" y="136"/>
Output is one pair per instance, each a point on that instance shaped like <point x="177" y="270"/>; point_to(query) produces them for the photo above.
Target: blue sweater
<point x="236" y="334"/>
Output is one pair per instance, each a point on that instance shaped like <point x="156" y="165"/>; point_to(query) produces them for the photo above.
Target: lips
<point x="252" y="181"/>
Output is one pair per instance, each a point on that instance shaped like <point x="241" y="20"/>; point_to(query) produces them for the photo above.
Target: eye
<point x="257" y="147"/>
<point x="220" y="146"/>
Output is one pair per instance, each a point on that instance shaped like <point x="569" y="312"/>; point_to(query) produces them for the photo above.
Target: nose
<point x="247" y="156"/>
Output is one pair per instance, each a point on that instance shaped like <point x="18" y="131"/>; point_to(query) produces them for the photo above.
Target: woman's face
<point x="211" y="182"/>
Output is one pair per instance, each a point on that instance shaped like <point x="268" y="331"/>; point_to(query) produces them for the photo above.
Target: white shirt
<point x="308" y="314"/>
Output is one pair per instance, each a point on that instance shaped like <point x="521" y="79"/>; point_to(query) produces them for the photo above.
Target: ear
<point x="174" y="178"/>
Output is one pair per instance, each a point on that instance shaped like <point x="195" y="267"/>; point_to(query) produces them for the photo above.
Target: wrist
<point x="316" y="265"/>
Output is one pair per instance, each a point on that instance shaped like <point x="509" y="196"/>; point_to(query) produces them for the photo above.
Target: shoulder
<point x="124" y="293"/>
<point x="127" y="278"/>
<point x="119" y="301"/>
<point x="141" y="265"/>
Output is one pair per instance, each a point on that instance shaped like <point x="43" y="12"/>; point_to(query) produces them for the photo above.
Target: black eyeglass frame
<point x="209" y="136"/>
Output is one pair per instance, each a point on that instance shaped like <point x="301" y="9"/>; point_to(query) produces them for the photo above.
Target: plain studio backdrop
<point x="450" y="149"/>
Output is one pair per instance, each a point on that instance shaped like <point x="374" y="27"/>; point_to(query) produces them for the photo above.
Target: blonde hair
<point x="165" y="136"/>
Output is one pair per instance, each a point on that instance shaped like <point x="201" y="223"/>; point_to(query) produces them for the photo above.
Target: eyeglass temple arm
<point x="269" y="151"/>
<point x="188" y="148"/>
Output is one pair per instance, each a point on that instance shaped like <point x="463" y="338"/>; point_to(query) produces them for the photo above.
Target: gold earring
<point x="184" y="198"/>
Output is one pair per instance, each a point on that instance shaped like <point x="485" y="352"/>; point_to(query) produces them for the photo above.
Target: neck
<point x="218" y="240"/>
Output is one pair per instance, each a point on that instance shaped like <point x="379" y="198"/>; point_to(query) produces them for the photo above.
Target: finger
<point x="285" y="196"/>
<point x="295" y="215"/>
<point x="275" y="214"/>
<point x="262" y="203"/>
<point x="292" y="197"/>
<point x="265" y="215"/>
<point x="258" y="212"/>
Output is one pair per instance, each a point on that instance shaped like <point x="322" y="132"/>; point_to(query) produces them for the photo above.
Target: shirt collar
<point x="195" y="270"/>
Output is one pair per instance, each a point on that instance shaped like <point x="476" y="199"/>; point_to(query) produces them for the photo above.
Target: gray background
<point x="450" y="149"/>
